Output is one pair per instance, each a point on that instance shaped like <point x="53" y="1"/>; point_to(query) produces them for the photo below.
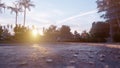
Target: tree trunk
<point x="111" y="33"/>
<point x="24" y="17"/>
<point x="16" y="19"/>
<point x="118" y="22"/>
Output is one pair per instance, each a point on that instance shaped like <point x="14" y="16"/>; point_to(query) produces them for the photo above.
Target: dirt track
<point x="59" y="55"/>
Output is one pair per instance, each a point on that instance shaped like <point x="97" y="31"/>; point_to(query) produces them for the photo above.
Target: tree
<point x="25" y="4"/>
<point x="100" y="30"/>
<point x="110" y="7"/>
<point x="51" y="29"/>
<point x="2" y="5"/>
<point x="65" y="32"/>
<point x="16" y="9"/>
<point x="51" y="33"/>
<point x="1" y="31"/>
<point x="84" y="34"/>
<point x="111" y="11"/>
<point x="22" y="33"/>
<point x="76" y="35"/>
<point x="61" y="34"/>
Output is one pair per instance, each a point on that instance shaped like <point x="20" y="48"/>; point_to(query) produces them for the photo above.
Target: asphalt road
<point x="60" y="55"/>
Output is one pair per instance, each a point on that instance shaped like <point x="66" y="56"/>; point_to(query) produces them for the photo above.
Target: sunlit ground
<point x="106" y="45"/>
<point x="41" y="48"/>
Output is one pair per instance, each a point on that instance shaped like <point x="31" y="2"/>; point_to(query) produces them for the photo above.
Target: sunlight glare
<point x="34" y="33"/>
<point x="41" y="49"/>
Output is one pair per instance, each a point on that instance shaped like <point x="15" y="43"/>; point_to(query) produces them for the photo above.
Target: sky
<point x="78" y="14"/>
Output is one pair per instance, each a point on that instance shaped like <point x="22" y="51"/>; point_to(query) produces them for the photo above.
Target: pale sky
<point x="78" y="14"/>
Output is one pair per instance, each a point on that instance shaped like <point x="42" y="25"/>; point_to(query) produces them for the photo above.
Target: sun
<point x="34" y="32"/>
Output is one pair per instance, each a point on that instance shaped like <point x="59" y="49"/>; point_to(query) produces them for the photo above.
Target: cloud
<point x="81" y="21"/>
<point x="6" y="20"/>
<point x="46" y="17"/>
<point x="76" y="16"/>
<point x="57" y="12"/>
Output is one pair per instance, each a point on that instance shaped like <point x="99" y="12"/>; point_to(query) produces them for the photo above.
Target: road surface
<point x="60" y="55"/>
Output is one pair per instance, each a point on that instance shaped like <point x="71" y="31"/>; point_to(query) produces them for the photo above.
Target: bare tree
<point x="26" y="4"/>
